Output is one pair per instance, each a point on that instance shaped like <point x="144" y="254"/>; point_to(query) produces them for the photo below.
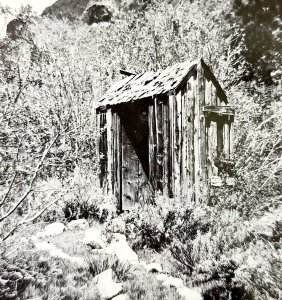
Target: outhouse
<point x="164" y="132"/>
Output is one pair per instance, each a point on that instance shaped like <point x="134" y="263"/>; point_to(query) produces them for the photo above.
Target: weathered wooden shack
<point x="163" y="132"/>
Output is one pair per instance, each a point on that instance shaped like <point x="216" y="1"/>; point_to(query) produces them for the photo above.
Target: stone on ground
<point x="123" y="252"/>
<point x="58" y="253"/>
<point x="55" y="252"/>
<point x="173" y="282"/>
<point x="118" y="237"/>
<point x="51" y="230"/>
<point x="189" y="294"/>
<point x="161" y="277"/>
<point x="106" y="286"/>
<point x="93" y="238"/>
<point x="80" y="224"/>
<point x="44" y="246"/>
<point x="154" y="268"/>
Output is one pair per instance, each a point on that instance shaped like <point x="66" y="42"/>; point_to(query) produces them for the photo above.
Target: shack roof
<point x="149" y="84"/>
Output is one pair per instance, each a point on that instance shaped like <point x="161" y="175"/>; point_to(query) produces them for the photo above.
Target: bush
<point x="101" y="262"/>
<point x="218" y="248"/>
<point x="149" y="225"/>
<point x="87" y="200"/>
<point x="229" y="255"/>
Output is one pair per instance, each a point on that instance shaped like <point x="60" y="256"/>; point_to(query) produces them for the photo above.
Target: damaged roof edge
<point x="150" y="84"/>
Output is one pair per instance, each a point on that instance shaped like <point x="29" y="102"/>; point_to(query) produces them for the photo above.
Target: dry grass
<point x="145" y="286"/>
<point x="164" y="258"/>
<point x="58" y="279"/>
<point x="70" y="242"/>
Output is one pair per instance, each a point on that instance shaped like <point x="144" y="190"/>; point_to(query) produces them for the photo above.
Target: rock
<point x="52" y="230"/>
<point x="80" y="224"/>
<point x="58" y="253"/>
<point x="154" y="268"/>
<point x="44" y="246"/>
<point x="189" y="294"/>
<point x="118" y="237"/>
<point x="106" y="286"/>
<point x="72" y="9"/>
<point x="98" y="12"/>
<point x="15" y="28"/>
<point x="93" y="238"/>
<point x="123" y="252"/>
<point x="121" y="297"/>
<point x="161" y="277"/>
<point x="173" y="282"/>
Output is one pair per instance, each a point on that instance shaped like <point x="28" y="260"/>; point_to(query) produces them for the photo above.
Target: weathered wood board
<point x="169" y="140"/>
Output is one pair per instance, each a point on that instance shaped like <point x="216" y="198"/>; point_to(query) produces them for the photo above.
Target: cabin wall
<point x="159" y="156"/>
<point x="219" y="130"/>
<point x="171" y="141"/>
<point x="184" y="142"/>
<point x="102" y="148"/>
<point x="178" y="155"/>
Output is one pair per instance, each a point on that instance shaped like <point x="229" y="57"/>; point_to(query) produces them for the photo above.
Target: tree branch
<point x="33" y="218"/>
<point x="9" y="189"/>
<point x="29" y="190"/>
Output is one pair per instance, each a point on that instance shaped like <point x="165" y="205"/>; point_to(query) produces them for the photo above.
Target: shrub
<point x="87" y="200"/>
<point x="149" y="225"/>
<point x="192" y="225"/>
<point x="147" y="287"/>
<point x="101" y="262"/>
<point x="230" y="256"/>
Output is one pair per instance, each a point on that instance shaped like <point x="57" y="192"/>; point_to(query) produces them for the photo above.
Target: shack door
<point x="130" y="171"/>
<point x="134" y="155"/>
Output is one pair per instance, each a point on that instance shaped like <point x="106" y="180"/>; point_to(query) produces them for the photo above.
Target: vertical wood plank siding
<point x="190" y="139"/>
<point x="109" y="150"/>
<point x="231" y="134"/>
<point x="116" y="145"/>
<point x="159" y="143"/>
<point x="203" y="136"/>
<point x="183" y="141"/>
<point x="152" y="143"/>
<point x="184" y="121"/>
<point x="166" y="161"/>
<point x="171" y="143"/>
<point x="103" y="149"/>
<point x="177" y="144"/>
<point x="226" y="139"/>
<point x="196" y="137"/>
